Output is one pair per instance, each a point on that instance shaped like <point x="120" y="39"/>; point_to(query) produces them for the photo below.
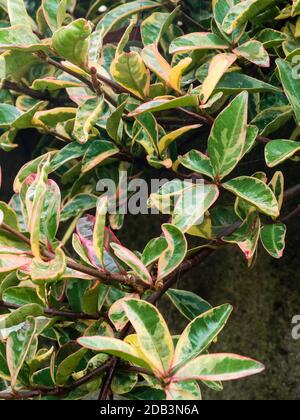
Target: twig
<point x="105" y="277"/>
<point x="8" y="85"/>
<point x="56" y="392"/>
<point x="54" y="312"/>
<point x="65" y="69"/>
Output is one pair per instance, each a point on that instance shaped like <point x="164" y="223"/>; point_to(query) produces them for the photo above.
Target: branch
<point x="8" y="85"/>
<point x="53" y="312"/>
<point x="93" y="86"/>
<point x="56" y="392"/>
<point x="105" y="277"/>
<point x="65" y="69"/>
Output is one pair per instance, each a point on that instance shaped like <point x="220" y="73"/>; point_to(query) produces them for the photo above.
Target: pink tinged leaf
<point x="218" y="367"/>
<point x="133" y="262"/>
<point x="84" y="229"/>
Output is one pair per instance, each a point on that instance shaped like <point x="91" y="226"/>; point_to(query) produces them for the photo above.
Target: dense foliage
<point x="183" y="90"/>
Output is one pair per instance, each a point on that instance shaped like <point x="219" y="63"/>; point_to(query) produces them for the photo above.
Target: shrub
<point x="187" y="91"/>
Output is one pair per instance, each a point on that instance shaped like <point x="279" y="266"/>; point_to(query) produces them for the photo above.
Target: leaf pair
<point x="153" y="347"/>
<point x="226" y="143"/>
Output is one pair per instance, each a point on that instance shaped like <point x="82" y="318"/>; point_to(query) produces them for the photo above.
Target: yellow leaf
<point x="218" y="66"/>
<point x="130" y="72"/>
<point x="177" y="72"/>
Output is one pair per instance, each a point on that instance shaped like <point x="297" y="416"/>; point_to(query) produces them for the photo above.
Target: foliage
<point x="183" y="89"/>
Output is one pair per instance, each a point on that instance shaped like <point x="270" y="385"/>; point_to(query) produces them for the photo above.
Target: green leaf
<point x="252" y="133"/>
<point x="86" y="118"/>
<point x="51" y="117"/>
<point x="227" y="138"/>
<point x="169" y="138"/>
<point x="199" y="334"/>
<point x="255" y="52"/>
<point x="146" y="393"/>
<point x="97" y="153"/>
<point x="8" y="114"/>
<point x="118" y="14"/>
<point x="4" y="371"/>
<point x="99" y="229"/>
<point x="115" y="124"/>
<point x="192" y="204"/>
<point x="153" y="250"/>
<point x="255" y="192"/>
<point x="273" y="239"/>
<point x="114" y="347"/>
<point x="232" y="83"/>
<point x="149" y="132"/>
<point x="49" y="271"/>
<point x="17" y="13"/>
<point x="291" y="85"/>
<point x="197" y="162"/>
<point x="270" y="38"/>
<point x="197" y="41"/>
<point x="21" y="296"/>
<point x="17" y="354"/>
<point x="28" y="169"/>
<point x="66" y="154"/>
<point x="296" y="7"/>
<point x="155" y="26"/>
<point x="130" y="72"/>
<point x="217" y="68"/>
<point x="272" y="119"/>
<point x="36" y="197"/>
<point x="51" y="84"/>
<point x="20" y="37"/>
<point x="152" y="333"/>
<point x="133" y="262"/>
<point x="173" y="256"/>
<point x="19" y="316"/>
<point x="277" y="186"/>
<point x="124" y="382"/>
<point x="247" y="236"/>
<point x="218" y="367"/>
<point x="162" y="104"/>
<point x="26" y="120"/>
<point x="68" y="366"/>
<point x="278" y="151"/>
<point x="54" y="12"/>
<point x="71" y="42"/>
<point x="9" y="216"/>
<point x="188" y="303"/>
<point x="78" y="204"/>
<point x="220" y="9"/>
<point x="117" y="314"/>
<point x="183" y="391"/>
<point x="244" y="11"/>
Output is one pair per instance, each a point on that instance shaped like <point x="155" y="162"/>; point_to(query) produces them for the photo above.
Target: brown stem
<point x="204" y="119"/>
<point x="56" y="392"/>
<point x="114" y="363"/>
<point x="53" y="312"/>
<point x="106" y="277"/>
<point x="65" y="69"/>
<point x="8" y="85"/>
